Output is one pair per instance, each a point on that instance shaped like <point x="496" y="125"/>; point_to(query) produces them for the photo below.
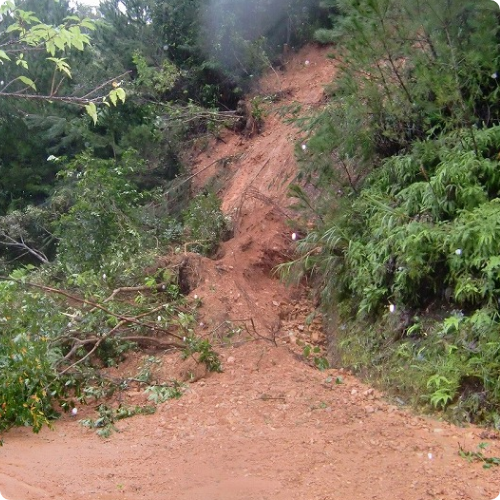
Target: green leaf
<point x="112" y="96"/>
<point x="61" y="64"/>
<point x="27" y="16"/>
<point x="87" y="23"/>
<point x="51" y="47"/>
<point x="7" y="7"/>
<point x="92" y="111"/>
<point x="3" y="55"/>
<point x="78" y="43"/>
<point x="321" y="363"/>
<point x="21" y="61"/>
<point x="121" y="94"/>
<point x="59" y="43"/>
<point x="13" y="27"/>
<point x="27" y="81"/>
<point x="117" y="94"/>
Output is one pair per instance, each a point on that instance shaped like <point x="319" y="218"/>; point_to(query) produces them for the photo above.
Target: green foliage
<point x="205" y="223"/>
<point x="421" y="225"/>
<point x="161" y="80"/>
<point x="25" y="36"/>
<point x="443" y="390"/>
<point x="25" y="386"/>
<point x="54" y="342"/>
<point x="406" y="71"/>
<point x="204" y="353"/>
<point x="101" y="221"/>
<point x="164" y="392"/>
<point x="105" y="423"/>
<point x="405" y="248"/>
<point x="29" y="384"/>
<point x="479" y="456"/>
<point x="422" y="238"/>
<point x="313" y="353"/>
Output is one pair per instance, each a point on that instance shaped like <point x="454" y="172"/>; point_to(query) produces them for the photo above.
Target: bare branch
<point x="108" y="82"/>
<point x="40" y="97"/>
<point x="95" y="305"/>
<point x="21" y="245"/>
<point x="79" y="101"/>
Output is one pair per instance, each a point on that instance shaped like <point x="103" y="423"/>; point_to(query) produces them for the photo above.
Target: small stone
<point x="354" y="391"/>
<point x="230" y="360"/>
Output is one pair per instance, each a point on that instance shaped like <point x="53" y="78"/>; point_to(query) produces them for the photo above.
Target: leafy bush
<point x="28" y="385"/>
<point x="102" y="219"/>
<point x="414" y="259"/>
<point x="205" y="223"/>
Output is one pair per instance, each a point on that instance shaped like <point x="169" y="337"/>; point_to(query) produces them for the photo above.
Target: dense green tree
<point x="38" y="39"/>
<point x="26" y="41"/>
<point x="409" y="70"/>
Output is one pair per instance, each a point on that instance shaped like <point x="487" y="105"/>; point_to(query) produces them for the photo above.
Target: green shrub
<point x="103" y="218"/>
<point x="28" y="386"/>
<point x="205" y="223"/>
<point x="413" y="261"/>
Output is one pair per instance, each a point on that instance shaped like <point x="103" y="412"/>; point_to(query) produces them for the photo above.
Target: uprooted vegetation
<point x="107" y="293"/>
<point x="68" y="333"/>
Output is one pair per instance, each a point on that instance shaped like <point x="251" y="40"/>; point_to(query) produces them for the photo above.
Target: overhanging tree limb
<point x="27" y="33"/>
<point x="80" y="101"/>
<point x="95" y="305"/>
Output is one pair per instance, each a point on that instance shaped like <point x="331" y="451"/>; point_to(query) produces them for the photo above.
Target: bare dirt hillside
<point x="270" y="427"/>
